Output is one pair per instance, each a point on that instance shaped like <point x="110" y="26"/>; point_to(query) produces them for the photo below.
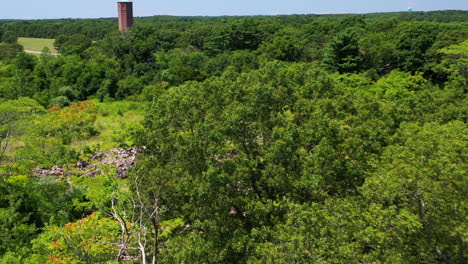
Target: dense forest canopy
<point x="97" y="28"/>
<point x="266" y="139"/>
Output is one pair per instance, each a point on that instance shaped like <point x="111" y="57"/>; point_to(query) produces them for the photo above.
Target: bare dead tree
<point x="126" y="215"/>
<point x="8" y="127"/>
<point x="139" y="216"/>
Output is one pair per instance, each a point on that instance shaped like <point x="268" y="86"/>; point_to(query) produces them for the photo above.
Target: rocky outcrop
<point x="119" y="159"/>
<point x="54" y="171"/>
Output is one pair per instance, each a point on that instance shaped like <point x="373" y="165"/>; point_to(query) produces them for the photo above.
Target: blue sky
<point x="37" y="9"/>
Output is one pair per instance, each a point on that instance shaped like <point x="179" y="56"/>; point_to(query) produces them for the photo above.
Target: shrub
<point x="60" y="101"/>
<point x="68" y="92"/>
<point x="89" y="240"/>
<point x="70" y="123"/>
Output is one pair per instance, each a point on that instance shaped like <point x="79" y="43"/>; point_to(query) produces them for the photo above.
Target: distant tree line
<point x="173" y="50"/>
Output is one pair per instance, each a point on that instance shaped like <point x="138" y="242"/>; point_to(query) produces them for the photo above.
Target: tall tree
<point x="343" y="54"/>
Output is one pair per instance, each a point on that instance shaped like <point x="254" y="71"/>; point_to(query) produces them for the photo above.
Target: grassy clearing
<point x="37" y="44"/>
<point x="115" y="123"/>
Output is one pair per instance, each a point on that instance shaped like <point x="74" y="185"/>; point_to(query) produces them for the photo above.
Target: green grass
<point x="115" y="121"/>
<point x="37" y="44"/>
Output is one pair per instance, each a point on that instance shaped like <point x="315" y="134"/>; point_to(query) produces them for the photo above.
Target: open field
<point x="37" y="44"/>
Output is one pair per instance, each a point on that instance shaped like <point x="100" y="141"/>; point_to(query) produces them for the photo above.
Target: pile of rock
<point x="120" y="159"/>
<point x="56" y="171"/>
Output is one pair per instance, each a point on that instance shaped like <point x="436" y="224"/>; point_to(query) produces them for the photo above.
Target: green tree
<point x="285" y="45"/>
<point x="14" y="118"/>
<point x="245" y="34"/>
<point x="16" y="222"/>
<point x="379" y="52"/>
<point x="26" y="206"/>
<point x="344" y="54"/>
<point x="131" y="85"/>
<point x="455" y="61"/>
<point x="9" y="51"/>
<point x="73" y="44"/>
<point x="195" y="36"/>
<point x="9" y="36"/>
<point x="413" y="41"/>
<point x="226" y="151"/>
<point x="179" y="66"/>
<point x="424" y="172"/>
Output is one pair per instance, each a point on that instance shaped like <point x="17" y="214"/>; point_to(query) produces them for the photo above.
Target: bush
<point x="61" y="101"/>
<point x="89" y="240"/>
<point x="70" y="123"/>
<point x="68" y="92"/>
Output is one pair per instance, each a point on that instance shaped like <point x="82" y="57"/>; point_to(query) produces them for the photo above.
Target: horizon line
<point x="263" y="15"/>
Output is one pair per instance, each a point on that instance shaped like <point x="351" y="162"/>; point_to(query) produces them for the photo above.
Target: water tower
<point x="125" y="15"/>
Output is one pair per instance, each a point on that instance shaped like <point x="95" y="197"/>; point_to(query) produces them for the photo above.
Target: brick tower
<point x="125" y="15"/>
